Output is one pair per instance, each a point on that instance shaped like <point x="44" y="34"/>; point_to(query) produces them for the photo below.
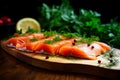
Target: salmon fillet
<point x="54" y="48"/>
<point x="87" y="51"/>
<point x="58" y="45"/>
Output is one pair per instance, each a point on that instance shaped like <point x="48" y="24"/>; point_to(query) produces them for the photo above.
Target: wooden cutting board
<point x="59" y="63"/>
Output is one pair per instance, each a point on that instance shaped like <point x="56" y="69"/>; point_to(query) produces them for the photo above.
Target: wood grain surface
<point x="12" y="68"/>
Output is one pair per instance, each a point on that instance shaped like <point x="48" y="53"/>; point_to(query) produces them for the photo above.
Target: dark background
<point x="17" y="9"/>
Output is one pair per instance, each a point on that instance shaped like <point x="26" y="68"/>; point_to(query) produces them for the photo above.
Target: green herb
<point x="112" y="62"/>
<point x="30" y="30"/>
<point x="19" y="31"/>
<point x="49" y="33"/>
<point x="49" y="41"/>
<point x="63" y="19"/>
<point x="107" y="54"/>
<point x="57" y="38"/>
<point x="111" y="58"/>
<point x="34" y="39"/>
<point x="70" y="35"/>
<point x="88" y="40"/>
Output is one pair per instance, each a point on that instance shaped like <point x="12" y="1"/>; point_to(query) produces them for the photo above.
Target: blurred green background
<point x="17" y="9"/>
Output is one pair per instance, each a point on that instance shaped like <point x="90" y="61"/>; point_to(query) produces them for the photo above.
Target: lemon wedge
<point x="25" y="24"/>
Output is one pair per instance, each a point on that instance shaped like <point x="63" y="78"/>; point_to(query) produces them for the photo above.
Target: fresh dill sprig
<point x="88" y="40"/>
<point x="70" y="35"/>
<point x="49" y="33"/>
<point x="111" y="59"/>
<point x="34" y="39"/>
<point x="30" y="30"/>
<point x="57" y="38"/>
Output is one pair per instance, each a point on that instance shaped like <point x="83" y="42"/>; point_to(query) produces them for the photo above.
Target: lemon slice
<point x="25" y="24"/>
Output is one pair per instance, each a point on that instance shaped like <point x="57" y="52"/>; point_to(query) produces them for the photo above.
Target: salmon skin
<point x="58" y="45"/>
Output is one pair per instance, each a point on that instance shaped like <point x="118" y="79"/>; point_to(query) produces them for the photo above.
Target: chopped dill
<point x="49" y="42"/>
<point x="107" y="54"/>
<point x="111" y="58"/>
<point x="57" y="38"/>
<point x="30" y="30"/>
<point x="19" y="31"/>
<point x="70" y="35"/>
<point x="87" y="40"/>
<point x="34" y="39"/>
<point x="49" y="33"/>
<point x="112" y="62"/>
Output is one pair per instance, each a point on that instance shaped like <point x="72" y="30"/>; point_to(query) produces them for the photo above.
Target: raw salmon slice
<point x="79" y="51"/>
<point x="65" y="50"/>
<point x="83" y="52"/>
<point x="86" y="51"/>
<point x="104" y="46"/>
<point x="57" y="45"/>
<point x="34" y="46"/>
<point x="16" y="41"/>
<point x="54" y="48"/>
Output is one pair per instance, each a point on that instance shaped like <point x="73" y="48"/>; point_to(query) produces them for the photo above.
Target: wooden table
<point x="14" y="69"/>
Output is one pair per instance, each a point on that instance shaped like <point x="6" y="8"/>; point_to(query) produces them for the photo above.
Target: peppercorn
<point x="47" y="57"/>
<point x="92" y="47"/>
<point x="111" y="61"/>
<point x="99" y="61"/>
<point x="111" y="55"/>
<point x="88" y="45"/>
